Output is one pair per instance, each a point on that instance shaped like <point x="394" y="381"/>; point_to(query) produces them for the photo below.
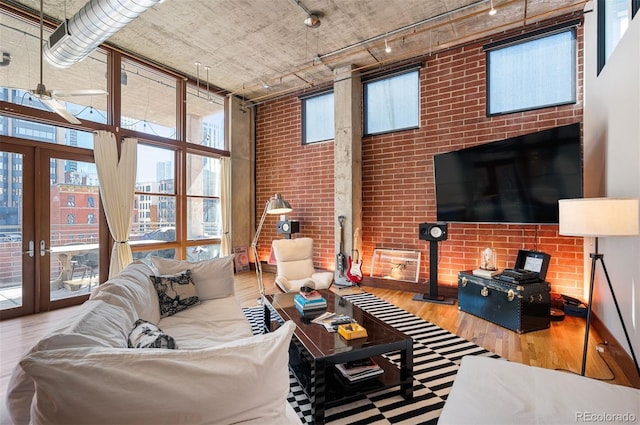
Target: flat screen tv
<point x="516" y="180"/>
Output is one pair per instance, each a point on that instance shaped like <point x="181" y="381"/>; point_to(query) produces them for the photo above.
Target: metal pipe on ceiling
<point x="98" y="20"/>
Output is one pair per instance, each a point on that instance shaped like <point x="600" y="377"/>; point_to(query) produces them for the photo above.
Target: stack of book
<point x="359" y="370"/>
<point x="306" y="302"/>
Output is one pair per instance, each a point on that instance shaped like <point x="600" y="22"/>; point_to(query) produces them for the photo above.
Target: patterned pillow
<point x="175" y="292"/>
<point x="147" y="335"/>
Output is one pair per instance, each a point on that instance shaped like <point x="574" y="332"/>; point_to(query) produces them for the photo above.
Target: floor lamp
<point x="600" y="217"/>
<point x="275" y="205"/>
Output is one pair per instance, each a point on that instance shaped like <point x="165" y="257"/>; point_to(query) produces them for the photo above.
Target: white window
<point x="392" y="103"/>
<point x="530" y="74"/>
<point x="317" y="118"/>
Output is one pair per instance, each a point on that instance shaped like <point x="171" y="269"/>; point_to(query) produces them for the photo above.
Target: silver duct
<point x="93" y="24"/>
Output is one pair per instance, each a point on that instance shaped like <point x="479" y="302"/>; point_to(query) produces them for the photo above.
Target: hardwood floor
<point x="559" y="347"/>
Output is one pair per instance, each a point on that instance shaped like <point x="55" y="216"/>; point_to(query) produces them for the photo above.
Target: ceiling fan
<point x="49" y="97"/>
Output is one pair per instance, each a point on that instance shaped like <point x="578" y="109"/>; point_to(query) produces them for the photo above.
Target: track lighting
<point x="386" y="46"/>
<point x="493" y="10"/>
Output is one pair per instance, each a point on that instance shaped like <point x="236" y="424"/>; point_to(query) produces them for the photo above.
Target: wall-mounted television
<point x="515" y="180"/>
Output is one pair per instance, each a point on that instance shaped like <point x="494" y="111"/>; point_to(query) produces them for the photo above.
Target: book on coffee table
<point x="309" y="303"/>
<point x="359" y="370"/>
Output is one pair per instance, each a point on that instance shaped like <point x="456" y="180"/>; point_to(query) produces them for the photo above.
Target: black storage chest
<point x="516" y="306"/>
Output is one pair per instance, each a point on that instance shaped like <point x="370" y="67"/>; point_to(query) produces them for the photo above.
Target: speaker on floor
<point x="433" y="231"/>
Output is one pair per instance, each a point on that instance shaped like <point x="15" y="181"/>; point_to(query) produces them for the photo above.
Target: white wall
<point x="612" y="168"/>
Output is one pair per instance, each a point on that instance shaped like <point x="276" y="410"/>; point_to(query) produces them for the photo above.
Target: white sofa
<point x="85" y="372"/>
<point x="496" y="392"/>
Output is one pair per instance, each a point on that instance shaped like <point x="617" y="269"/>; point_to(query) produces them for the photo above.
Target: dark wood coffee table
<point x="314" y="351"/>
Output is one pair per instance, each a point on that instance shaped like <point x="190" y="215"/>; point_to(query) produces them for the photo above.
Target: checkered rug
<point x="436" y="358"/>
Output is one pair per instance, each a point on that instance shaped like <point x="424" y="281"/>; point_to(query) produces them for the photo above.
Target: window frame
<point x="304" y="111"/>
<point x="387" y="76"/>
<point x="601" y="39"/>
<point x="525" y="38"/>
<point x="190" y="196"/>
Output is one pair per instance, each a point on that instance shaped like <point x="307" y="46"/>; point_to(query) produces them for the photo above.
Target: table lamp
<point x="275" y="205"/>
<point x="600" y="217"/>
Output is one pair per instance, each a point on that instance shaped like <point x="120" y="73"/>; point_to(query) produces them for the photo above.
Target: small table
<point x="64" y="253"/>
<point x="314" y="351"/>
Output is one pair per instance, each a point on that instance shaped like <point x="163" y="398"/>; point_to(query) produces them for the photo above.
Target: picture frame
<point x="241" y="259"/>
<point x="396" y="264"/>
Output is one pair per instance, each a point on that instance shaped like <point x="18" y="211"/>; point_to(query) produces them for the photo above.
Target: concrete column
<point x="240" y="139"/>
<point x="347" y="94"/>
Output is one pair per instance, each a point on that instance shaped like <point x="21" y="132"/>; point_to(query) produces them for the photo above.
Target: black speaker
<point x="433" y="231"/>
<point x="287" y="227"/>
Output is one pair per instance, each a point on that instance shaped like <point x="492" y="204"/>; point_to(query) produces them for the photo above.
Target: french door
<point x="49" y="227"/>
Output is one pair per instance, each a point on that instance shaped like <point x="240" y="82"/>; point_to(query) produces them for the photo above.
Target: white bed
<point x="494" y="391"/>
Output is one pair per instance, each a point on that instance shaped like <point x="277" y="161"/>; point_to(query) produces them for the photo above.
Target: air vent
<point x="59" y="34"/>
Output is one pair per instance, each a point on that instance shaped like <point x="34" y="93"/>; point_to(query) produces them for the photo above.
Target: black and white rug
<point x="436" y="358"/>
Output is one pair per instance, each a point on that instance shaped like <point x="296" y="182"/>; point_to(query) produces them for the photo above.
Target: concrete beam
<point x="347" y="92"/>
<point x="240" y="126"/>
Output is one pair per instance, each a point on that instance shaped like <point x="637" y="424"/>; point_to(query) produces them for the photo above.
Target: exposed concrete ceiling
<point x="252" y="44"/>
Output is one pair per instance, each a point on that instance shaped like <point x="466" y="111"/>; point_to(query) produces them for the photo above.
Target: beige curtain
<point x="225" y="205"/>
<point x="117" y="186"/>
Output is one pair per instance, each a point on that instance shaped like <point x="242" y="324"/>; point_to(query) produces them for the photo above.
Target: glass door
<point x="49" y="228"/>
<point x="17" y="238"/>
<point x="70" y="229"/>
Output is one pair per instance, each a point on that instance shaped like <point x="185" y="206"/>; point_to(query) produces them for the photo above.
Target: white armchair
<point x="294" y="261"/>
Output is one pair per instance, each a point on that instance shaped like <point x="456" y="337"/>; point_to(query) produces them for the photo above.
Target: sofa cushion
<point x="210" y="323"/>
<point x="132" y="288"/>
<point x="95" y="324"/>
<point x="147" y="335"/>
<point x="198" y="391"/>
<point x="213" y="278"/>
<point x="175" y="292"/>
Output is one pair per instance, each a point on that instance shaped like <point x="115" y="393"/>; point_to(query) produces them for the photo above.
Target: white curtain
<point x="117" y="186"/>
<point x="225" y="205"/>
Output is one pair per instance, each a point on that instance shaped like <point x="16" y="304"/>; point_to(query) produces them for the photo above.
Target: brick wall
<point x="398" y="184"/>
<point x="303" y="174"/>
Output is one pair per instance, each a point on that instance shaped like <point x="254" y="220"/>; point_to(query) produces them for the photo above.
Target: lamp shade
<point x="277" y="205"/>
<point x="599" y="217"/>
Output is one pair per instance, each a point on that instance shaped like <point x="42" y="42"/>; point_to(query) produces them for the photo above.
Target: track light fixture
<point x="386" y="46"/>
<point x="493" y="10"/>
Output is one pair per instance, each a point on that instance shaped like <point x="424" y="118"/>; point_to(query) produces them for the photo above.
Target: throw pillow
<point x="147" y="335"/>
<point x="244" y="381"/>
<point x="213" y="278"/>
<point x="175" y="292"/>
